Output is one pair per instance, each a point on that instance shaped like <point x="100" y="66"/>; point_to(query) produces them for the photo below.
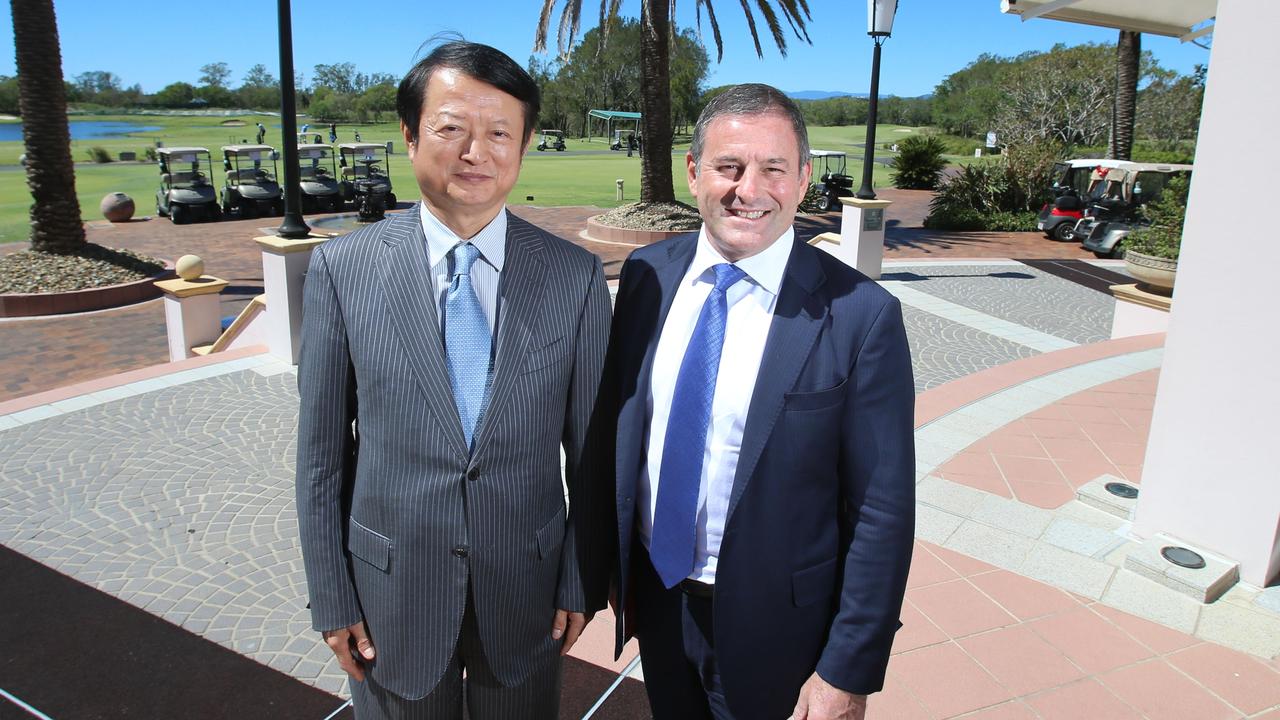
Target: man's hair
<point x="750" y="99"/>
<point x="486" y="64"/>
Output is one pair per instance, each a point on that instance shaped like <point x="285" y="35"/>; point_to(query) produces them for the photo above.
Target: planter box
<point x="1153" y="274"/>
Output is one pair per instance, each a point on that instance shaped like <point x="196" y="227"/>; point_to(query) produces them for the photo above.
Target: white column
<point x="861" y="235"/>
<point x="191" y="313"/>
<point x="284" y="265"/>
<point x="1212" y="472"/>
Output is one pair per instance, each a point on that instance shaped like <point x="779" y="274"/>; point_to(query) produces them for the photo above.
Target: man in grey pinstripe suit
<point x="433" y="521"/>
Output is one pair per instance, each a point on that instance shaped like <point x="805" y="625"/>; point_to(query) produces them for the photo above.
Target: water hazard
<point x="83" y="129"/>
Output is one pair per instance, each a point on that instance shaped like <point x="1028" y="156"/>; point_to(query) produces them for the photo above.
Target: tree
<point x="175" y="95"/>
<point x="375" y="101"/>
<point x="215" y="75"/>
<point x="56" y="226"/>
<point x="655" y="67"/>
<point x="1124" y="110"/>
<point x="1057" y="96"/>
<point x="9" y="95"/>
<point x="339" y="77"/>
<point x="1169" y="108"/>
<point x="966" y="101"/>
<point x="259" y="77"/>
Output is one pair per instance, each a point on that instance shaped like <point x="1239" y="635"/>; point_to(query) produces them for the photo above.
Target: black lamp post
<point x="879" y="25"/>
<point x="292" y="225"/>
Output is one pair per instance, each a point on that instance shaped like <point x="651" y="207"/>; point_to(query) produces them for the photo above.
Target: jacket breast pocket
<point x="813" y="583"/>
<point x="544" y="356"/>
<point x="371" y="547"/>
<point x="817" y="400"/>
<point x="551" y="535"/>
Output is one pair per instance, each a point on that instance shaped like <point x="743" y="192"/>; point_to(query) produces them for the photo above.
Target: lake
<point x="83" y="129"/>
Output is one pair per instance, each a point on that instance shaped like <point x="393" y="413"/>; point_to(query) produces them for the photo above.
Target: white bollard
<point x="861" y="235"/>
<point x="284" y="265"/>
<point x="192" y="314"/>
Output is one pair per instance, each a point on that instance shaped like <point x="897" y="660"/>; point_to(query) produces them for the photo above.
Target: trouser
<point x="677" y="646"/>
<point x="537" y="698"/>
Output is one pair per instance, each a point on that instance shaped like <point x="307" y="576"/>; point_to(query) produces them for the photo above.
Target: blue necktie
<point x="467" y="340"/>
<point x="671" y="545"/>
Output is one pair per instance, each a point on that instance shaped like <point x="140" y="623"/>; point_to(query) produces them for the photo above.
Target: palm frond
<point x="544" y="23"/>
<point x="715" y="26"/>
<point x="775" y="28"/>
<point x="751" y="25"/>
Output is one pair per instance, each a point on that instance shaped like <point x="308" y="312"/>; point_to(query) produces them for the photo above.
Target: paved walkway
<point x="43" y="353"/>
<point x="170" y="489"/>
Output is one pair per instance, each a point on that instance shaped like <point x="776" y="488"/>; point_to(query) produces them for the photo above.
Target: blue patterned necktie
<point x="467" y="340"/>
<point x="671" y="545"/>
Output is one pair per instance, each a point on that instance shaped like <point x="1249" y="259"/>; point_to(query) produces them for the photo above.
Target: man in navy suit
<point x="765" y="456"/>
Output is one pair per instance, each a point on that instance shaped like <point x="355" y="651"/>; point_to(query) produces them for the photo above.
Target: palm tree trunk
<point x="655" y="101"/>
<point x="55" y="215"/>
<point x="1128" y="51"/>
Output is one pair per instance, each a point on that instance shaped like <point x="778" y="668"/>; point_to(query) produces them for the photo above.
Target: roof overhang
<point x="1171" y="18"/>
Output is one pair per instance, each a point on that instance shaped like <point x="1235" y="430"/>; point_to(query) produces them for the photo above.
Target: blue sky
<point x="155" y="43"/>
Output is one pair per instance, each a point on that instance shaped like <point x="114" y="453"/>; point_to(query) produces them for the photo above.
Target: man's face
<point x="748" y="183"/>
<point x="471" y="140"/>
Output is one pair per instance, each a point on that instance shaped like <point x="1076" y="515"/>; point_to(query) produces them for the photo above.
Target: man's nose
<point x="748" y="187"/>
<point x="474" y="149"/>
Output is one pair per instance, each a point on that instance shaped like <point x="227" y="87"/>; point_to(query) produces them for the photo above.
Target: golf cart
<point x="250" y="190"/>
<point x="364" y="183"/>
<point x="185" y="192"/>
<point x="318" y="180"/>
<point x="833" y="183"/>
<point x="622" y="139"/>
<point x="1075" y="183"/>
<point x="552" y="140"/>
<point x="1118" y="207"/>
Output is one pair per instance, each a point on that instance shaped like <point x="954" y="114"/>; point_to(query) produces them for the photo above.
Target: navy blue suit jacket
<point x="817" y="543"/>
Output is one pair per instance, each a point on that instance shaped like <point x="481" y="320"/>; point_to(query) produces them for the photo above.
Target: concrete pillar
<point x="1138" y="312"/>
<point x="861" y="235"/>
<point x="1212" y="473"/>
<point x="191" y="313"/>
<point x="284" y="265"/>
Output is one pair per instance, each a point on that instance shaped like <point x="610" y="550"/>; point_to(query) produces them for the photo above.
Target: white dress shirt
<point x="751" y="303"/>
<point x="491" y="241"/>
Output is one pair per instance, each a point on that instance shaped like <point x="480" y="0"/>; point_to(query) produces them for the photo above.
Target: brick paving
<point x="44" y="353"/>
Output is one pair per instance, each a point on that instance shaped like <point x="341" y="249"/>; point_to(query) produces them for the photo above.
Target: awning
<point x="1172" y="18"/>
<point x="614" y="115"/>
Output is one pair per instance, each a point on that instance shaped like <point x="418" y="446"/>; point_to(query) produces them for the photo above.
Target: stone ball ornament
<point x="189" y="267"/>
<point x="117" y="207"/>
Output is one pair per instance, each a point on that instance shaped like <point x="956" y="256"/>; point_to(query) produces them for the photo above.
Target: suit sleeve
<point x="580" y="558"/>
<point x="326" y="450"/>
<point x="877" y="475"/>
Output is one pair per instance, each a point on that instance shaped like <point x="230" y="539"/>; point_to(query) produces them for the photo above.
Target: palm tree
<point x="1128" y="52"/>
<point x="55" y="213"/>
<point x="655" y="62"/>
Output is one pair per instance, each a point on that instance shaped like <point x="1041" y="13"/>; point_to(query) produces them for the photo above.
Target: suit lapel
<point x="656" y="289"/>
<point x="797" y="319"/>
<point x="524" y="277"/>
<point x="405" y="273"/>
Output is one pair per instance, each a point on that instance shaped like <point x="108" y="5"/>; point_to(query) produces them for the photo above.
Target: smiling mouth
<point x="748" y="214"/>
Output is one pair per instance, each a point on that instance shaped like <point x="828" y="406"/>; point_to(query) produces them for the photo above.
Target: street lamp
<point x="879" y="25"/>
<point x="292" y="226"/>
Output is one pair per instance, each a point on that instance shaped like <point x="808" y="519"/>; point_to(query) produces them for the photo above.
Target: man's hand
<point x="820" y="700"/>
<point x="568" y="625"/>
<point x="352" y="646"/>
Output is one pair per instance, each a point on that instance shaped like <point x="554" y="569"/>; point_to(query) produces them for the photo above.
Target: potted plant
<point x="1152" y="251"/>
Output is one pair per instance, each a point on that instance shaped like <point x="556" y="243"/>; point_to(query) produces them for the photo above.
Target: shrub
<point x="1167" y="213"/>
<point x="99" y="154"/>
<point x="918" y="163"/>
<point x="149" y="153"/>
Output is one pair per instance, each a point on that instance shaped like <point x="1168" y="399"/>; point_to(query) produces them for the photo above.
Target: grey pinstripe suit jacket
<point x="394" y="513"/>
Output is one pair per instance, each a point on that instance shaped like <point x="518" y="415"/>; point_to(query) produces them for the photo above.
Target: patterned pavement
<point x="174" y="494"/>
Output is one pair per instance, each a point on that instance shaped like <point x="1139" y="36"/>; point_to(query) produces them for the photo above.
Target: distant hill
<point x="821" y="95"/>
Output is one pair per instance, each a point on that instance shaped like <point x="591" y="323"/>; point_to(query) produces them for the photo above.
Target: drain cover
<point x="1124" y="490"/>
<point x="1182" y="557"/>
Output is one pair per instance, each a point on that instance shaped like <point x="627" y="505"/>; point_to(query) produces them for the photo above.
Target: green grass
<point x="551" y="178"/>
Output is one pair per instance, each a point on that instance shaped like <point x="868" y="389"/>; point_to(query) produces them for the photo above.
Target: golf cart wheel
<point x="179" y="214"/>
<point x="1117" y="251"/>
<point x="248" y="209"/>
<point x="335" y="203"/>
<point x="824" y="203"/>
<point x="1063" y="232"/>
<point x="214" y="213"/>
<point x="391" y="201"/>
<point x="277" y="208"/>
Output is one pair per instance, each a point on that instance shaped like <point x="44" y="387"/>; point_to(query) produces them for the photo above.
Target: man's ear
<point x="691" y="170"/>
<point x="409" y="142"/>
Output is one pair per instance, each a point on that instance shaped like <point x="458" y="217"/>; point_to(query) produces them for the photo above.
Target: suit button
<point x="473" y="474"/>
<point x="461" y="551"/>
<point x="626" y="500"/>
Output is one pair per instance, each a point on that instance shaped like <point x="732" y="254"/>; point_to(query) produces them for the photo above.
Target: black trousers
<point x="677" y="647"/>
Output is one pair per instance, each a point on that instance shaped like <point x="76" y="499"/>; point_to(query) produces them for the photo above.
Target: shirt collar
<point x="765" y="268"/>
<point x="491" y="241"/>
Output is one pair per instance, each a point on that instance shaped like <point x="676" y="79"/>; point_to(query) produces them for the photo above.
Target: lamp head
<point x="880" y="17"/>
